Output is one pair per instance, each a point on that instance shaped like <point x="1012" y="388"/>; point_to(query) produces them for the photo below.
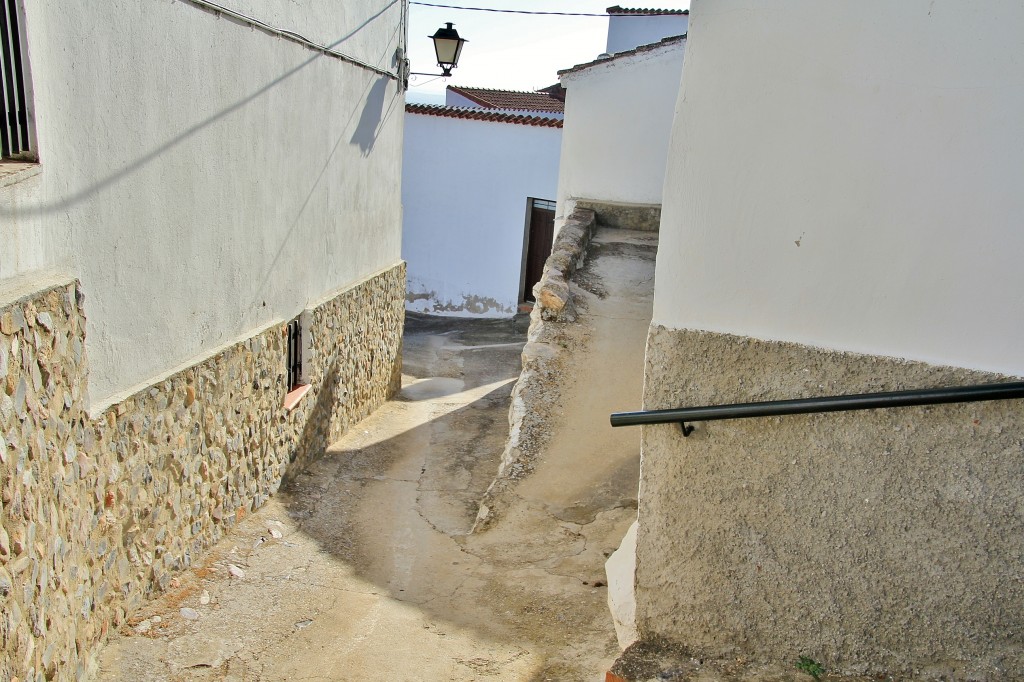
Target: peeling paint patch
<point x="477" y="305"/>
<point x="469" y="305"/>
<point x="410" y="297"/>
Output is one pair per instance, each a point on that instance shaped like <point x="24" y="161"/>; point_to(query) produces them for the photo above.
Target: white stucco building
<point x="478" y="190"/>
<point x="841" y="215"/>
<point x="618" y="119"/>
<point x="629" y="27"/>
<point x="202" y="209"/>
<point x="201" y="284"/>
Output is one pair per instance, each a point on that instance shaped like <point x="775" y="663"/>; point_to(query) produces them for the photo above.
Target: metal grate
<point x="294" y="355"/>
<point x="15" y="134"/>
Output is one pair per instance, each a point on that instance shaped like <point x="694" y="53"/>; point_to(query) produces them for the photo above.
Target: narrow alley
<point x="363" y="567"/>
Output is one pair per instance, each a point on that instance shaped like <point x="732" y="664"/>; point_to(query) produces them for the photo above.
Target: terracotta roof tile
<point x="628" y="10"/>
<point x="511" y="99"/>
<point x="483" y="115"/>
<point x="627" y="53"/>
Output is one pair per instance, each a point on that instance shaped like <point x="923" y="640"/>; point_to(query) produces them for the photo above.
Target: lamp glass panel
<point x="447" y="50"/>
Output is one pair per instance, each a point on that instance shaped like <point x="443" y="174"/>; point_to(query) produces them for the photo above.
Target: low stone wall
<point x="534" y="396"/>
<point x="99" y="513"/>
<point x="567" y="253"/>
<point x="645" y="217"/>
<point x="879" y="541"/>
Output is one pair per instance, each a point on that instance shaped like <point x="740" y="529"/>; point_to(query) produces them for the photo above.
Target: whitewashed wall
<point x="628" y="31"/>
<point x="856" y="188"/>
<point x="465" y="186"/>
<point x="618" y="117"/>
<point x="201" y="177"/>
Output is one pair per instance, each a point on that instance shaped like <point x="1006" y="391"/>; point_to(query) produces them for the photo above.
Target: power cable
<point x="523" y="11"/>
<point x="416" y="85"/>
<point x="290" y="35"/>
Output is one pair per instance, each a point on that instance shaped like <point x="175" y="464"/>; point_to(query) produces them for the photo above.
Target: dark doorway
<point x="540" y="231"/>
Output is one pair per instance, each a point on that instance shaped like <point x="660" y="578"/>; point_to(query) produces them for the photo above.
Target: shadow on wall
<point x="76" y="197"/>
<point x="366" y="131"/>
<point x="322" y="421"/>
<point x="316" y="434"/>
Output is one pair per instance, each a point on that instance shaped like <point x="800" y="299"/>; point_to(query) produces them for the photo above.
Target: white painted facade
<point x="201" y="177"/>
<point x="618" y="118"/>
<point x="465" y="189"/>
<point x="850" y="188"/>
<point x="627" y="31"/>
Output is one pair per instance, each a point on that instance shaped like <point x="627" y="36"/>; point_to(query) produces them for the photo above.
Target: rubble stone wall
<point x="645" y="217"/>
<point x="98" y="513"/>
<point x="535" y="393"/>
<point x="554" y="300"/>
<point x="877" y="541"/>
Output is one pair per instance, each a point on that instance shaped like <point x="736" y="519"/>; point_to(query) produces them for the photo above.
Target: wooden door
<point x="541" y="232"/>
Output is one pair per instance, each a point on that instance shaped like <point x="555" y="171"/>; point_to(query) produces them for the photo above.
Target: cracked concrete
<point x="363" y="567"/>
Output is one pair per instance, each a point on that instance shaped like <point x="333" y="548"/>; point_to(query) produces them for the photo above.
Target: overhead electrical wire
<point x="523" y="11"/>
<point x="290" y="35"/>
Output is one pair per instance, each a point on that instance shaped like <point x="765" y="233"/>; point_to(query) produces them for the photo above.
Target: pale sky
<point x="510" y="51"/>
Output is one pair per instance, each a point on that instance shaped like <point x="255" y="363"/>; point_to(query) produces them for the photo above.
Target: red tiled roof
<point x="511" y="99"/>
<point x="628" y="10"/>
<point x="483" y="115"/>
<point x="627" y="53"/>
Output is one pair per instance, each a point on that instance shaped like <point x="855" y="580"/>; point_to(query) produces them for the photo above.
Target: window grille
<point x="294" y="355"/>
<point x="16" y="135"/>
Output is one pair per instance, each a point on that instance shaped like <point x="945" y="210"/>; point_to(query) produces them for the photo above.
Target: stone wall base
<point x="645" y="217"/>
<point x="99" y="513"/>
<point x="879" y="541"/>
<point x="533" y="395"/>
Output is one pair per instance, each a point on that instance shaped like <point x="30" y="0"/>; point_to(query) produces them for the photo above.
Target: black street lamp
<point x="448" y="48"/>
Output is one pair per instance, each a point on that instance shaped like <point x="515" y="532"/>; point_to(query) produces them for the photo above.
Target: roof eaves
<point x="469" y="96"/>
<point x="485" y="115"/>
<point x="615" y="9"/>
<point x="493" y="98"/>
<point x="628" y="53"/>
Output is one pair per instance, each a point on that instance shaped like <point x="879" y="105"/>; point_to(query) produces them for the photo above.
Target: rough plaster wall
<point x="203" y="178"/>
<point x="847" y="175"/>
<point x="464" y="190"/>
<point x="881" y="540"/>
<point x="618" y="117"/>
<point x="627" y="32"/>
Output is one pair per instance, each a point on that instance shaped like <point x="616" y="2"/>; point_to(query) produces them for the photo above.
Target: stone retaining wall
<point x="645" y="217"/>
<point x="567" y="253"/>
<point x="877" y="541"/>
<point x="99" y="513"/>
<point x="534" y="394"/>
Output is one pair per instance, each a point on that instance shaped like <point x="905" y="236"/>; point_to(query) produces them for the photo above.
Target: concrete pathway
<point x="362" y="567"/>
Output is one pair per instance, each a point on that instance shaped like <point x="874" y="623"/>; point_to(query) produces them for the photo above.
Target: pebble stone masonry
<point x="99" y="513"/>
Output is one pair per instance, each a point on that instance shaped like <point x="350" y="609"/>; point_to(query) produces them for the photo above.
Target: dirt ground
<point x="362" y="567"/>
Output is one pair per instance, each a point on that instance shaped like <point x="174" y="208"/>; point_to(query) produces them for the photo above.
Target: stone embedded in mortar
<point x="555" y="300"/>
<point x="45" y="320"/>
